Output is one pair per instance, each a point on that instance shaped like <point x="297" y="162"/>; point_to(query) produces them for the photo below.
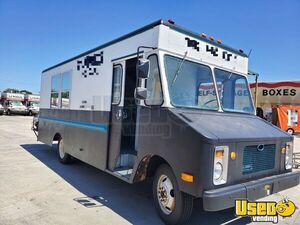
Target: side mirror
<point x="140" y="93"/>
<point x="143" y="68"/>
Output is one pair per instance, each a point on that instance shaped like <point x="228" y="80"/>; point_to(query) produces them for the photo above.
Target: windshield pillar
<point x="217" y="91"/>
<point x="164" y="81"/>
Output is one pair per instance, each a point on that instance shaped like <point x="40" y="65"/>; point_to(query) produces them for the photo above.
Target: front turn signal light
<point x="187" y="177"/>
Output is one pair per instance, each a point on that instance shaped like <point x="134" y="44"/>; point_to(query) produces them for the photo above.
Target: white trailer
<point x="163" y="101"/>
<point x="12" y="103"/>
<point x="32" y="102"/>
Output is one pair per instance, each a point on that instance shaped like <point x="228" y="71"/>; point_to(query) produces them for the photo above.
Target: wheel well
<point x="154" y="163"/>
<point x="291" y="129"/>
<point x="57" y="137"/>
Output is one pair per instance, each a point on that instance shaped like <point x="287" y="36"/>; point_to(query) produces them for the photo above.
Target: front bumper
<point x="34" y="111"/>
<point x="223" y="198"/>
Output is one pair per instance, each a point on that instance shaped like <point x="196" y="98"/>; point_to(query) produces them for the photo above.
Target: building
<point x="277" y="100"/>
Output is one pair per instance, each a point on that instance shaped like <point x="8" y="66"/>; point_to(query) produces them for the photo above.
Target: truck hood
<point x="230" y="127"/>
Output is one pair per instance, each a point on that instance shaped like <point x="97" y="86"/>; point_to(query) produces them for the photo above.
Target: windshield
<point x="35" y="104"/>
<point x="190" y="84"/>
<point x="233" y="92"/>
<point x="16" y="103"/>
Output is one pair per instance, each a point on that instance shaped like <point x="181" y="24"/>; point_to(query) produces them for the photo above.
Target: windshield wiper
<point x="178" y="69"/>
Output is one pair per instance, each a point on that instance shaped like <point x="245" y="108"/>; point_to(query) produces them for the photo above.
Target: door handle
<point x="121" y="114"/>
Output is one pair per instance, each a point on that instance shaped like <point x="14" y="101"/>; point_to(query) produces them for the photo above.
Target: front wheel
<point x="172" y="205"/>
<point x="64" y="157"/>
<point x="290" y="131"/>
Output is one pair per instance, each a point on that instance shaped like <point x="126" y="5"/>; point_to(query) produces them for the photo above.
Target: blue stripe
<point x="91" y="126"/>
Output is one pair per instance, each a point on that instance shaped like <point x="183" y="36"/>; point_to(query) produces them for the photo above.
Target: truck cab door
<point x="123" y="115"/>
<point x="116" y="117"/>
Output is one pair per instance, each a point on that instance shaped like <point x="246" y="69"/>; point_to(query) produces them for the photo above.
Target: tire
<point x="63" y="157"/>
<point x="30" y="113"/>
<point x="290" y="131"/>
<point x="175" y="207"/>
<point x="8" y="112"/>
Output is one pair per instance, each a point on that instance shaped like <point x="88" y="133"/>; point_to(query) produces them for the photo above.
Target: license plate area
<point x="259" y="191"/>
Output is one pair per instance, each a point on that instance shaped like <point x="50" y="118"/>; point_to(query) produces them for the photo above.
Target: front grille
<point x="258" y="158"/>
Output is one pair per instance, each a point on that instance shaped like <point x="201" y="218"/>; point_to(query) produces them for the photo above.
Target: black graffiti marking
<point x="226" y="56"/>
<point x="213" y="50"/>
<point x="89" y="64"/>
<point x="192" y="43"/>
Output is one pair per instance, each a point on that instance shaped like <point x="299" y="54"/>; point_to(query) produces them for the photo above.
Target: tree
<point x="11" y="90"/>
<point x="26" y="92"/>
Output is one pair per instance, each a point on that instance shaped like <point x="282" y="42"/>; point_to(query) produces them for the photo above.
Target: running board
<point x="122" y="174"/>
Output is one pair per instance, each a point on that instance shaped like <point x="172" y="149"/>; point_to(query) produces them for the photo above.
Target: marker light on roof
<point x="211" y="38"/>
<point x="203" y="35"/>
<point x="219" y="41"/>
<point x="241" y="50"/>
<point x="171" y="21"/>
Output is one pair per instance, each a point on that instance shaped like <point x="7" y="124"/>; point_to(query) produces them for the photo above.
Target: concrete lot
<point x="36" y="189"/>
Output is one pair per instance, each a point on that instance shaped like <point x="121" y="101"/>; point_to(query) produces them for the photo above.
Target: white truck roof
<point x="32" y="98"/>
<point x="92" y="70"/>
<point x="13" y="96"/>
<point x="198" y="37"/>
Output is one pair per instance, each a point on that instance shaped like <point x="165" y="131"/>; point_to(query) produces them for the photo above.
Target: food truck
<point x="161" y="102"/>
<point x="32" y="103"/>
<point x="287" y="118"/>
<point x="12" y="103"/>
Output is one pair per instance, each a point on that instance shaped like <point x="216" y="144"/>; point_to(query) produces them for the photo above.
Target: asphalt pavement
<point x="36" y="189"/>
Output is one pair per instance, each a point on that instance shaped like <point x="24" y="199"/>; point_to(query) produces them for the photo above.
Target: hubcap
<point x="61" y="149"/>
<point x="165" y="194"/>
<point x="290" y="131"/>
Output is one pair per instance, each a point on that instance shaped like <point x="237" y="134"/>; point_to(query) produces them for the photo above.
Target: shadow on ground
<point x="133" y="202"/>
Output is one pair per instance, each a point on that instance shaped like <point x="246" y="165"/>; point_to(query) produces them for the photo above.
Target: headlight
<point x="288" y="155"/>
<point x="220" y="165"/>
<point x="218" y="171"/>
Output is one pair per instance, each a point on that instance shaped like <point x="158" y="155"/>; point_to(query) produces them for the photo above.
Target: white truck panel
<point x="93" y="91"/>
<point x="13" y="96"/>
<point x="177" y="42"/>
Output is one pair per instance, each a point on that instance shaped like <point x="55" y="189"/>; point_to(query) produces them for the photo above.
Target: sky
<point x="35" y="35"/>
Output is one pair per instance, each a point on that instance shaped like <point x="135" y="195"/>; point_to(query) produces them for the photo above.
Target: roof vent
<point x="171" y="21"/>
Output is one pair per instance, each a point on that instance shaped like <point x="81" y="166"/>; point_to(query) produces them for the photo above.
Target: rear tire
<point x="63" y="157"/>
<point x="172" y="205"/>
<point x="290" y="131"/>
